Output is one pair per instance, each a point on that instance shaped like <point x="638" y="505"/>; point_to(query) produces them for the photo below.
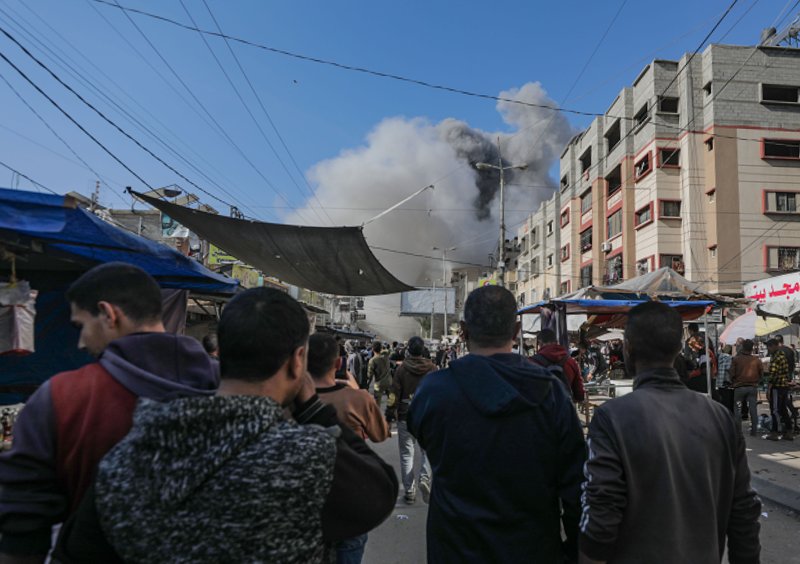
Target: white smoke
<point x="402" y="155"/>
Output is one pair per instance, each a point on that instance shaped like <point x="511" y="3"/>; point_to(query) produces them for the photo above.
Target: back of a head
<point x="258" y="331"/>
<point x="323" y="351"/>
<point x="654" y="332"/>
<point x="490" y="316"/>
<point x="123" y="285"/>
<point x="211" y="343"/>
<point x="772" y="343"/>
<point x="693" y="328"/>
<point x="416" y="346"/>
<point x="377" y="347"/>
<point x="546" y="337"/>
<point x="727" y="349"/>
<point x="779" y="338"/>
<point x="747" y="346"/>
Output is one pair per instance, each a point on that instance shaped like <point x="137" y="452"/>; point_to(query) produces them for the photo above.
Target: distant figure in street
<point x="791" y="359"/>
<point x="557" y="360"/>
<point x="355" y="409"/>
<point x="667" y="477"/>
<point x="211" y="345"/>
<point x="379" y="372"/>
<point x="779" y="381"/>
<point x="405" y="382"/>
<point x="505" y="444"/>
<point x="746" y="372"/>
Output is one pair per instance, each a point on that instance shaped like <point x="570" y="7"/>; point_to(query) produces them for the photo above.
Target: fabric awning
<point x="611" y="307"/>
<point x="333" y="260"/>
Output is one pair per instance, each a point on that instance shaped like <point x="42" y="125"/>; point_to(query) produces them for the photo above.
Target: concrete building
<point x="696" y="166"/>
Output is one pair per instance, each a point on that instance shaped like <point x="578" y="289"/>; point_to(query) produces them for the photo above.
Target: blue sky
<point x="320" y="111"/>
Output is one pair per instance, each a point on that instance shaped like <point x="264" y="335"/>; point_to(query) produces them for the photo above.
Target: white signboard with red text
<point x="778" y="289"/>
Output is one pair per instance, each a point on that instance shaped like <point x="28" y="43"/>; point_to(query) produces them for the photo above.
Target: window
<point x="613" y="136"/>
<point x="549" y="228"/>
<point x="550" y="260"/>
<point x="564" y="182"/>
<point x="675" y="262"/>
<point x="586" y="240"/>
<point x="586" y="162"/>
<point x="643" y="167"/>
<point x="668" y="104"/>
<point x="780" y="149"/>
<point x="534" y="238"/>
<point x="642" y="266"/>
<point x="670" y="208"/>
<point x="614" y="180"/>
<point x="709" y="144"/>
<point x="643" y="216"/>
<point x="564" y="288"/>
<point x="641" y="117"/>
<point x="783" y="258"/>
<point x="712" y="196"/>
<point x="707" y="88"/>
<point x="780" y="202"/>
<point x="586" y="202"/>
<point x="613" y="270"/>
<point x="565" y="252"/>
<point x="779" y="94"/>
<point x="713" y="251"/>
<point x="565" y="217"/>
<point x="669" y="158"/>
<point x="586" y="276"/>
<point x="614" y="224"/>
<point x="535" y="267"/>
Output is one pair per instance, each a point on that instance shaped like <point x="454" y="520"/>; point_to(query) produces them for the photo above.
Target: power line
<point x="28" y="178"/>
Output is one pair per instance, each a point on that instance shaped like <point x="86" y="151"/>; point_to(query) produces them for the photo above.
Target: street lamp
<point x="433" y="301"/>
<point x="444" y="282"/>
<point x="501" y="259"/>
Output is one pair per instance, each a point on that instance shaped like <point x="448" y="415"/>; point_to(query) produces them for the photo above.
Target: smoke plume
<point x="402" y="155"/>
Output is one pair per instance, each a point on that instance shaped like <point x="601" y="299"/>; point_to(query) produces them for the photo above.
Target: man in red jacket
<point x="556" y="359"/>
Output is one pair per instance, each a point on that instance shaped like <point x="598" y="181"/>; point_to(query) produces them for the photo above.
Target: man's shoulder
<point x="308" y="441"/>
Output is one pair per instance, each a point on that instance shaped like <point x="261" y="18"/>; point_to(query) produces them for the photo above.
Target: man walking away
<point x="557" y="360"/>
<point x="355" y="409"/>
<point x="76" y="417"/>
<point x="667" y="478"/>
<point x="228" y="478"/>
<point x="406" y="380"/>
<point x="356" y="364"/>
<point x="505" y="445"/>
<point x="379" y="372"/>
<point x="746" y="372"/>
<point x="211" y="345"/>
<point x="779" y="380"/>
<point x="790" y="354"/>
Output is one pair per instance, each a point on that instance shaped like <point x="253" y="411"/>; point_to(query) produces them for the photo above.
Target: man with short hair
<point x="211" y="345"/>
<point x="228" y="478"/>
<point x="667" y="477"/>
<point x="505" y="445"/>
<point x="405" y="382"/>
<point x="746" y="372"/>
<point x="791" y="359"/>
<point x="779" y="381"/>
<point x="379" y="372"/>
<point x="556" y="359"/>
<point x="74" y="418"/>
<point x="355" y="408"/>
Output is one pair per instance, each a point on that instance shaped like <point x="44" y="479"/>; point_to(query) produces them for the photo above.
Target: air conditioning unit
<point x="606" y="247"/>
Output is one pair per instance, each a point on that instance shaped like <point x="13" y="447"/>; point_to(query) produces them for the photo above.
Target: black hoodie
<point x="407" y="378"/>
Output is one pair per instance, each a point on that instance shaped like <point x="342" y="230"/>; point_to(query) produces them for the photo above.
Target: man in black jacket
<point x="667" y="476"/>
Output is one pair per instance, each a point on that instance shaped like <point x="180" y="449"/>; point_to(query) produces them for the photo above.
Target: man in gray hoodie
<point x="76" y="417"/>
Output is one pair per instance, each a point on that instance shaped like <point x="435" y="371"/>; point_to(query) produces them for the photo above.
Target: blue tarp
<point x="71" y="232"/>
<point x="607" y="307"/>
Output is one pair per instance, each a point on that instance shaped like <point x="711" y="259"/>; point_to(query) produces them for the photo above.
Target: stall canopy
<point x="751" y="325"/>
<point x="689" y="309"/>
<point x="333" y="260"/>
<point x="50" y="232"/>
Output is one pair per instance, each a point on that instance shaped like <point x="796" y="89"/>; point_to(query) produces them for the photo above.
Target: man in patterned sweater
<point x="779" y="380"/>
<point x="229" y="479"/>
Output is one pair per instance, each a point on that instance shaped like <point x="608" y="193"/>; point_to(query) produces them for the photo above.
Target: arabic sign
<point x="778" y="289"/>
<point x="217" y="256"/>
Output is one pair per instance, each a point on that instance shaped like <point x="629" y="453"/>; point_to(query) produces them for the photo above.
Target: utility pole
<point x="433" y="304"/>
<point x="95" y="196"/>
<point x="501" y="251"/>
<point x="444" y="281"/>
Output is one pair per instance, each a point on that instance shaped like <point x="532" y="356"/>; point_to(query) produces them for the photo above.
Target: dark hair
<point x="377" y="346"/>
<point x="121" y="284"/>
<point x="779" y="338"/>
<point x="394" y="344"/>
<point x="323" y="350"/>
<point x="546" y="336"/>
<point x="258" y="331"/>
<point x="211" y="343"/>
<point x="416" y="346"/>
<point x="747" y="345"/>
<point x="490" y="315"/>
<point x="772" y="342"/>
<point x="694" y="328"/>
<point x="655" y="332"/>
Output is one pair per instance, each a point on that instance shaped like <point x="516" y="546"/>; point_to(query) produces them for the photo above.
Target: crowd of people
<point x="254" y="448"/>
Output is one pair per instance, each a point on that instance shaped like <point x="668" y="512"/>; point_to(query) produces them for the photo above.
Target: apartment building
<point x="695" y="166"/>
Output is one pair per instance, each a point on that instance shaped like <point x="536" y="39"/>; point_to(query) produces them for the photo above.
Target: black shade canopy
<point x="333" y="260"/>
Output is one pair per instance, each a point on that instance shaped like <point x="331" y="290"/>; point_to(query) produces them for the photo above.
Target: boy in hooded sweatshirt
<point x="229" y="478"/>
<point x="74" y="418"/>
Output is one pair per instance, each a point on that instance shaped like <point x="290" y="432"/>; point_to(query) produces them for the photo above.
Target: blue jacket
<point x="507" y="453"/>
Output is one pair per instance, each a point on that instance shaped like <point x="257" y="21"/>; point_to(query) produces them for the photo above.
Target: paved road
<point x="401" y="538"/>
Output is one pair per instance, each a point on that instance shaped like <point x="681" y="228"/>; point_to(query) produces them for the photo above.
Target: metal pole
<point x="433" y="305"/>
<point x="708" y="357"/>
<point x="502" y="249"/>
<point x="444" y="286"/>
